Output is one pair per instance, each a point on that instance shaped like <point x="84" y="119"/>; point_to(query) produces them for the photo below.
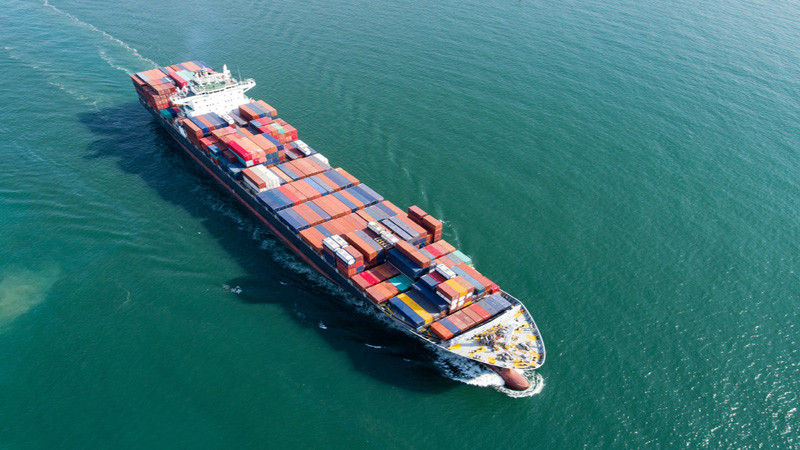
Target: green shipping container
<point x="401" y="282"/>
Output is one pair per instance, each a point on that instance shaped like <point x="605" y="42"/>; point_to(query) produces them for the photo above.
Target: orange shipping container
<point x="359" y="204"/>
<point x="307" y="214"/>
<point x="441" y="331"/>
<point x="272" y="111"/>
<point x="255" y="179"/>
<point x="313" y="237"/>
<point x="308" y="191"/>
<point x="370" y="254"/>
<point x="345" y="174"/>
<point x="393" y="207"/>
<point x="416" y="214"/>
<point x="280" y="174"/>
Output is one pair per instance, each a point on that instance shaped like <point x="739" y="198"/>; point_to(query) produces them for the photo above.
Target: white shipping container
<point x="347" y="258"/>
<point x="323" y="161"/>
<point x="339" y="240"/>
<point x="376" y="227"/>
<point x="445" y="271"/>
<point x="303" y="147"/>
<point x="272" y="181"/>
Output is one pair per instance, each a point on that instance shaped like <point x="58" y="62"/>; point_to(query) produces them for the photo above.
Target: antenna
<point x="240" y="72"/>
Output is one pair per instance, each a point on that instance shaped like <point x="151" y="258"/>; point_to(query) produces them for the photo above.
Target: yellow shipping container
<point x="462" y="291"/>
<point x="417" y="309"/>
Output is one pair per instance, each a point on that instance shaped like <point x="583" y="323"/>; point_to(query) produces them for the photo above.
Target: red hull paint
<point x="513" y="379"/>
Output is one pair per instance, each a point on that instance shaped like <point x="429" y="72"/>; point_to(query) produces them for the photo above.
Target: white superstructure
<point x="216" y="92"/>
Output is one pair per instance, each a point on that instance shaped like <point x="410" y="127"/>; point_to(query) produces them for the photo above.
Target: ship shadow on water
<point x="128" y="134"/>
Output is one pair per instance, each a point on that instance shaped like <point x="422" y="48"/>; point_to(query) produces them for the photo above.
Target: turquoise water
<point x="630" y="170"/>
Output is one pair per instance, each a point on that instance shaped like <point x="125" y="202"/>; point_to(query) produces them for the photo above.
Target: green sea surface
<point x="628" y="169"/>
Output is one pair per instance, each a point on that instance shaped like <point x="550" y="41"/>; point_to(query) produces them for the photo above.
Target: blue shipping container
<point x="405" y="313"/>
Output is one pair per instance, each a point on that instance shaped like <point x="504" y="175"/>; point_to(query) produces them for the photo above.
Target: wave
<point x="89" y="26"/>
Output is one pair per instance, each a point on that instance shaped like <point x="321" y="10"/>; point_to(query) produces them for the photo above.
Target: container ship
<point x="395" y="259"/>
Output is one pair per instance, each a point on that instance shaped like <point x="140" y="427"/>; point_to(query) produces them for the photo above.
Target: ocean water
<point x="629" y="169"/>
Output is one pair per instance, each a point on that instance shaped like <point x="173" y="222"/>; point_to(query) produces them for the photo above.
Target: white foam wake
<point x="470" y="372"/>
<point x="89" y="26"/>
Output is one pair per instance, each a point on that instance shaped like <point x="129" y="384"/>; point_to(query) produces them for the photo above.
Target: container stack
<point x="375" y="275"/>
<point x="277" y="128"/>
<point x="431" y="225"/>
<point x="374" y="253"/>
<point x="257" y="110"/>
<point x="156" y="86"/>
<point x="470" y="317"/>
<point x="410" y="311"/>
<point x="258" y="178"/>
<point x="349" y="262"/>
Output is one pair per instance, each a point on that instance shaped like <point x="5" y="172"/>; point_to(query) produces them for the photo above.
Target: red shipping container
<point x="355" y="254"/>
<point x="447" y="292"/>
<point x="343" y="210"/>
<point x="438" y="277"/>
<point x="455" y="319"/>
<point x="475" y="317"/>
<point x="303" y="166"/>
<point x="290" y="165"/>
<point x="433" y="250"/>
<point x="359" y="280"/>
<point x="481" y="312"/>
<point x="387" y="271"/>
<point x="422" y="231"/>
<point x="240" y="151"/>
<point x="290" y="194"/>
<point x="372" y="279"/>
<point x="223" y="132"/>
<point x="264" y="143"/>
<point x="370" y="254"/>
<point x="355" y="221"/>
<point x="247" y="113"/>
<point x="381" y="292"/>
<point x="205" y="122"/>
<point x="446" y="247"/>
<point x="192" y="129"/>
<point x="463" y="318"/>
<point x="323" y="205"/>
